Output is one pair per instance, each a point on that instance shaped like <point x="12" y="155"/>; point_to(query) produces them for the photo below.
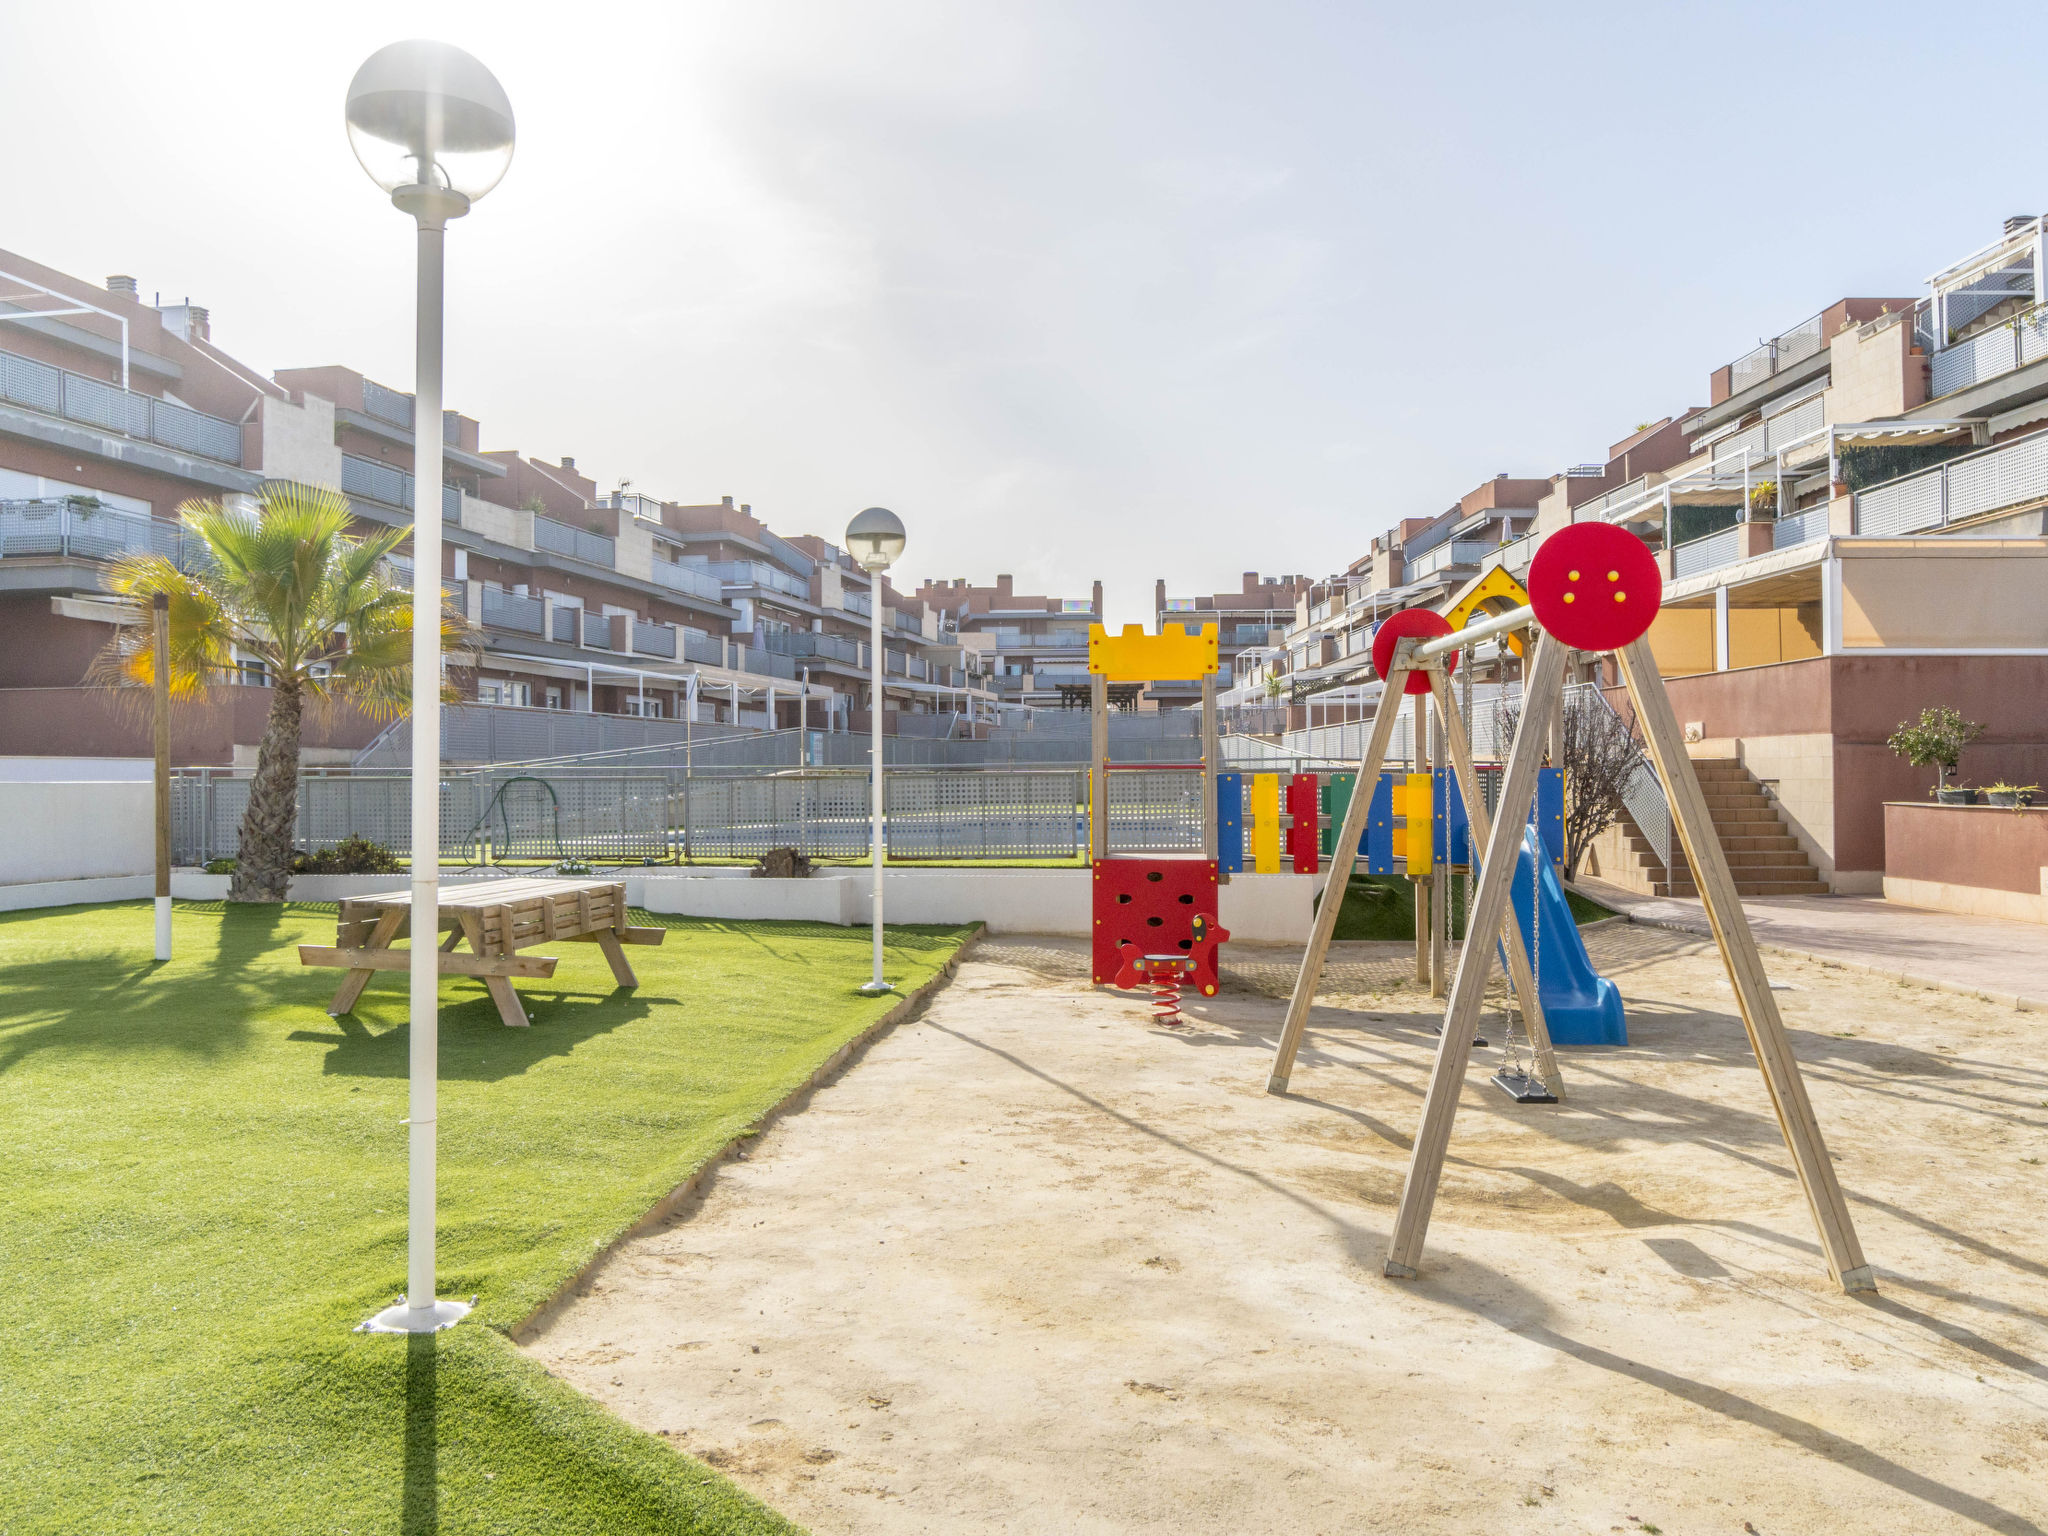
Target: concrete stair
<point x="1763" y="855"/>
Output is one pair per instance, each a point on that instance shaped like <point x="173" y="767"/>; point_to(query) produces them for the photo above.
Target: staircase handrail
<point x="1642" y="793"/>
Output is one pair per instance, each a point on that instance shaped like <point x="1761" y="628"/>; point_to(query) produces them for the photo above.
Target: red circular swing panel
<point x="1396" y="627"/>
<point x="1595" y="586"/>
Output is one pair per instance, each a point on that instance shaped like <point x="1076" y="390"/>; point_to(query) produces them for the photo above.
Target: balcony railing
<point x="577" y="543"/>
<point x="1776" y="355"/>
<point x="705" y="650"/>
<point x="909" y="623"/>
<point x="1770" y="436"/>
<point x="1707" y="554"/>
<point x="86" y="530"/>
<point x="1458" y="552"/>
<point x="392" y="486"/>
<point x="597" y="631"/>
<point x="804" y="646"/>
<point x="653" y="639"/>
<point x="396" y="409"/>
<point x="689" y="579"/>
<point x="1801" y="528"/>
<point x="508" y="610"/>
<point x="2004" y="348"/>
<point x="757" y="573"/>
<point x="855" y="602"/>
<point x="57" y="392"/>
<point x="1961" y="488"/>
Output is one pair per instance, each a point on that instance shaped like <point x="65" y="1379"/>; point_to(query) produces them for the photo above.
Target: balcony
<point x="1962" y="488"/>
<point x="395" y="409"/>
<point x="1774" y="435"/>
<point x="2005" y="348"/>
<point x="86" y="530"/>
<point x="597" y="631"/>
<point x="392" y="486"/>
<point x="690" y="580"/>
<point x="654" y="639"/>
<point x="1457" y="554"/>
<point x="508" y="610"/>
<point x="74" y="397"/>
<point x="1776" y="355"/>
<point x="758" y="573"/>
<point x="804" y="646"/>
<point x="577" y="543"/>
<point x="854" y="602"/>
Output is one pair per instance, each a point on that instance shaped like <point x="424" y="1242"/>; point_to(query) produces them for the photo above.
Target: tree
<point x="280" y="587"/>
<point x="1603" y="754"/>
<point x="1936" y="739"/>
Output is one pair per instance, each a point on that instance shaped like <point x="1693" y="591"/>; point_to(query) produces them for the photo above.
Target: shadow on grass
<point x="475" y="1046"/>
<point x="113" y="1000"/>
<point x="419" y="1509"/>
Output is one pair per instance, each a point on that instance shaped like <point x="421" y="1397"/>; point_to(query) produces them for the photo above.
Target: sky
<point x="1082" y="291"/>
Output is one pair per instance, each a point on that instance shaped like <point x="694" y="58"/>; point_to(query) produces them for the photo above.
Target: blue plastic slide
<point x="1581" y="1006"/>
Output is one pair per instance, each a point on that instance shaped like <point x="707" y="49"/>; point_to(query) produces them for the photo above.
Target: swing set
<point x="1592" y="587"/>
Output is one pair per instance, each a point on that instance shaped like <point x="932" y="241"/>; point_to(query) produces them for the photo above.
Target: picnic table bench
<point x="498" y="918"/>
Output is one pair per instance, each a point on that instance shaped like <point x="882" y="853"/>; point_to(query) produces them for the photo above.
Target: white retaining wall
<point x="76" y="831"/>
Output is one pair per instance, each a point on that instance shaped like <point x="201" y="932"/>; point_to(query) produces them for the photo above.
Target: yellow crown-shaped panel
<point x="1173" y="654"/>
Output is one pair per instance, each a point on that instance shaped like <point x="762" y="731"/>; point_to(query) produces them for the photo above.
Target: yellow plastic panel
<point x="1421" y="841"/>
<point x="1136" y="657"/>
<point x="1265" y="823"/>
<point x="1494" y="592"/>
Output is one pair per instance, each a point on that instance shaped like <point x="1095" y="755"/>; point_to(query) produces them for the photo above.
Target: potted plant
<point x="1937" y="740"/>
<point x="2014" y="795"/>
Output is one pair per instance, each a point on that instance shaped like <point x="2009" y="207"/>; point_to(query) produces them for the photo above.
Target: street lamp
<point x="875" y="538"/>
<point x="433" y="128"/>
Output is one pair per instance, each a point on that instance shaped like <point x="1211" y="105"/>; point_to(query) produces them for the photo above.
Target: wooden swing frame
<point x="1492" y="913"/>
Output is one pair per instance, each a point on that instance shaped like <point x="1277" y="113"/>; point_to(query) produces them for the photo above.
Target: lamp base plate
<point x="400" y="1318"/>
<point x="875" y="989"/>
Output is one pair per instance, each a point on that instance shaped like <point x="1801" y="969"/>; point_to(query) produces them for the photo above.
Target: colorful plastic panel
<point x="1302" y="805"/>
<point x="1135" y="657"/>
<point x="1230" y="823"/>
<point x="1265" y="819"/>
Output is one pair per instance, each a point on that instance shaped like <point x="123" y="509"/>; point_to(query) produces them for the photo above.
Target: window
<point x="646" y="708"/>
<point x="554" y="698"/>
<point x="496" y="691"/>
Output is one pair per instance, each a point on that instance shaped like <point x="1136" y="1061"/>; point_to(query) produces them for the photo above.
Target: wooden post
<point x="160" y="680"/>
<point x="1475" y="960"/>
<point x="1425" y="926"/>
<point x="1459" y="750"/>
<point x="1745" y="968"/>
<point x="1343" y="855"/>
<point x="1098" y="771"/>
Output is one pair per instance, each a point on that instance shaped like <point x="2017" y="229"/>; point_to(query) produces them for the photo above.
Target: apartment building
<point x="114" y="411"/>
<point x="1029" y="648"/>
<point x="1253" y="618"/>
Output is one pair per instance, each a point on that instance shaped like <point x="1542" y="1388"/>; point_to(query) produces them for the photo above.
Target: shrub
<point x="1936" y="739"/>
<point x="220" y="866"/>
<point x="351" y="856"/>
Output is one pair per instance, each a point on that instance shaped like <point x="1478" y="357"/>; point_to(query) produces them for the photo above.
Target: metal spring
<point x="1166" y="1002"/>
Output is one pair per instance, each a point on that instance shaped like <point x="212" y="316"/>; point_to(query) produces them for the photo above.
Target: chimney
<point x="1002" y="586"/>
<point x="1095" y="597"/>
<point x="747" y="508"/>
<point x="124" y="286"/>
<point x="198" y="326"/>
<point x="2013" y="226"/>
<point x="727" y="500"/>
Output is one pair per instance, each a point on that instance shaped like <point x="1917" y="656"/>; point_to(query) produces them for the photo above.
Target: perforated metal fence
<point x="1156" y="810"/>
<point x="988" y="815"/>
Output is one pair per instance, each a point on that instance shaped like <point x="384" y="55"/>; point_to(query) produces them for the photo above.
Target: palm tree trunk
<point x="263" y="865"/>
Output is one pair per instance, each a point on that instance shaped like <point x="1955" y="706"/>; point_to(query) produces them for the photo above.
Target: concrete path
<point x="1983" y="956"/>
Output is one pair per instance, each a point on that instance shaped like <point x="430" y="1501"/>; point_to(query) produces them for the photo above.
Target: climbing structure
<point x="1152" y="826"/>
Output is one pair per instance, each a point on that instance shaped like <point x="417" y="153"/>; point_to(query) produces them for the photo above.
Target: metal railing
<point x="1795" y="345"/>
<point x="578" y="543"/>
<point x="688" y="579"/>
<point x="597" y="631"/>
<point x="1706" y="554"/>
<point x="396" y="409"/>
<point x="1800" y="528"/>
<point x="58" y="392"/>
<point x="653" y="639"/>
<point x="392" y="486"/>
<point x="1456" y="552"/>
<point x="2009" y="345"/>
<point x="87" y="530"/>
<point x="758" y="573"/>
<point x="508" y="610"/>
<point x="1958" y="489"/>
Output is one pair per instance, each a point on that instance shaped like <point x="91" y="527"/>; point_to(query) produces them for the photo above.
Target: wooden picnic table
<point x="498" y="918"/>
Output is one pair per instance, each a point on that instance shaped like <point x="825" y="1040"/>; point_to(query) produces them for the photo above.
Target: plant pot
<point x="1952" y="794"/>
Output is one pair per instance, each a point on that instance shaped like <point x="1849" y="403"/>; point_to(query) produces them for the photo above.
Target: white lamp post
<point x="433" y="128"/>
<point x="875" y="538"/>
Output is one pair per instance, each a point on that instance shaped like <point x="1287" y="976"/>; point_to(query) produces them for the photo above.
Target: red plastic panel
<point x="1151" y="904"/>
<point x="1396" y="627"/>
<point x="1595" y="586"/>
<point x="1304" y="804"/>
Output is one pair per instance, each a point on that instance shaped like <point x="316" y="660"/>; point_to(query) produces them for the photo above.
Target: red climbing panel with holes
<point x="1151" y="904"/>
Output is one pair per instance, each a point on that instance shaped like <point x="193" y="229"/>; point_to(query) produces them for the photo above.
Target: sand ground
<point x="1033" y="1265"/>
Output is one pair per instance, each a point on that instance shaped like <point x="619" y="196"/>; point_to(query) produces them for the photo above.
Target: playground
<point x="1033" y="1265"/>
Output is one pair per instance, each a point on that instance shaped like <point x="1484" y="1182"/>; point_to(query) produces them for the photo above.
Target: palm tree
<point x="280" y="584"/>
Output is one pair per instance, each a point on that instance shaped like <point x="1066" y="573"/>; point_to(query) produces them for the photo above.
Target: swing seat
<point x="1522" y="1087"/>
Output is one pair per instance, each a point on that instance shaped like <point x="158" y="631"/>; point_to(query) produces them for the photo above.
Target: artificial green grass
<point x="1383" y="907"/>
<point x="206" y="1192"/>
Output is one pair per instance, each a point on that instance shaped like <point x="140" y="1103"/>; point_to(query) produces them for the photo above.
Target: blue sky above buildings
<point x="1081" y="290"/>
